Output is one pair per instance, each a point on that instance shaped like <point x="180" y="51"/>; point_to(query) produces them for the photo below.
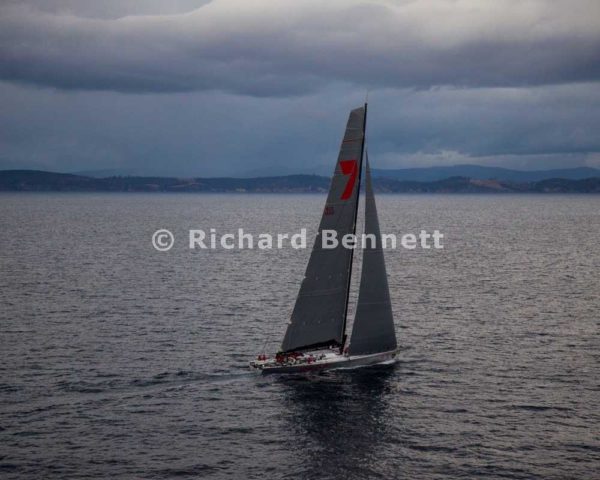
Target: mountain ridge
<point x="419" y="174"/>
<point x="41" y="181"/>
<point x="481" y="172"/>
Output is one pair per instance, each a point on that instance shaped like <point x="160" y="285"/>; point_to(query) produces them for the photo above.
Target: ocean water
<point x="119" y="361"/>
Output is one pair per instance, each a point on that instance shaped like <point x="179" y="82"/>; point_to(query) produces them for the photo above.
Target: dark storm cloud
<point x="208" y="133"/>
<point x="284" y="48"/>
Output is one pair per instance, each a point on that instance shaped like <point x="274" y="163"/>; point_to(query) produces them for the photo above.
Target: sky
<point x="238" y="87"/>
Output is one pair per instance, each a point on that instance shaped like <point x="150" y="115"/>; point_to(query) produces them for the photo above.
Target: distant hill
<point x="285" y="170"/>
<point x="431" y="174"/>
<point x="475" y="185"/>
<point x="426" y="174"/>
<point x="39" y="181"/>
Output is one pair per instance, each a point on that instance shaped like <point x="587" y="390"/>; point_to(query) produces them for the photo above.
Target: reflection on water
<point x="338" y="419"/>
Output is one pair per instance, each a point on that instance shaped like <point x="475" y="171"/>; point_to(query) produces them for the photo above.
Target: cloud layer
<point x="194" y="87"/>
<point x="292" y="47"/>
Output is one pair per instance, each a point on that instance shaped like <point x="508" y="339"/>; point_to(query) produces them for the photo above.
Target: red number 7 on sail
<point x="349" y="168"/>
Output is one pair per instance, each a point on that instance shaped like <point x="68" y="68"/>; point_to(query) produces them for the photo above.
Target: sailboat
<point x="315" y="338"/>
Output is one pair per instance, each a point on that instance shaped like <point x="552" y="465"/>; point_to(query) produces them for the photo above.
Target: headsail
<point x="319" y="316"/>
<point x="373" y="329"/>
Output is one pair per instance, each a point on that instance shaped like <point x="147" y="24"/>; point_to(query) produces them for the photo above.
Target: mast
<point x="362" y="152"/>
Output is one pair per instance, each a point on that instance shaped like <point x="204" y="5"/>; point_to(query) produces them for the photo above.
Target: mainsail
<point x="319" y="316"/>
<point x="373" y="329"/>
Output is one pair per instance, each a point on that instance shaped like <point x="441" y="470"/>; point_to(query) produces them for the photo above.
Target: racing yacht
<point x="315" y="339"/>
